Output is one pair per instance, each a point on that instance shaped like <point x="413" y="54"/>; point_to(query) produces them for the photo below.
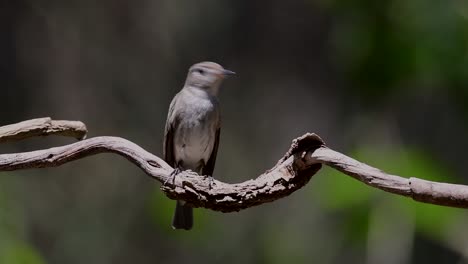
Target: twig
<point x="42" y="127"/>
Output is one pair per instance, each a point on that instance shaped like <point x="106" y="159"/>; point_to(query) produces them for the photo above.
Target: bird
<point x="192" y="131"/>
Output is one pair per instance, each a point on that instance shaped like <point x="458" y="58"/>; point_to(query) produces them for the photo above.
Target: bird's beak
<point x="228" y="73"/>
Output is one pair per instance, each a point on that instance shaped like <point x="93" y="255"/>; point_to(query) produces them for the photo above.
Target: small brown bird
<point x="191" y="137"/>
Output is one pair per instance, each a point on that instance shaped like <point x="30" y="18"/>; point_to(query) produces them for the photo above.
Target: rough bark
<point x="292" y="172"/>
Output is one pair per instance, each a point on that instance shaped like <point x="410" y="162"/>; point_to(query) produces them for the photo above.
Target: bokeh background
<point x="385" y="82"/>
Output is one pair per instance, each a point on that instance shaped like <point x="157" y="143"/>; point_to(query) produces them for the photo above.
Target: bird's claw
<point x="211" y="182"/>
<point x="172" y="176"/>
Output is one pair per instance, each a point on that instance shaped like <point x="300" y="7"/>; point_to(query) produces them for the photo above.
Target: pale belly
<point x="194" y="142"/>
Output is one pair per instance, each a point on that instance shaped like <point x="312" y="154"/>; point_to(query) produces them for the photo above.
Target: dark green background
<point x="383" y="81"/>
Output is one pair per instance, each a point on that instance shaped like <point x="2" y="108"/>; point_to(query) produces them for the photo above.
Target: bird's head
<point x="207" y="76"/>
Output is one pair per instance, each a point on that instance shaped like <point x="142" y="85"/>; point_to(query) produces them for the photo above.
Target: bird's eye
<point x="200" y="71"/>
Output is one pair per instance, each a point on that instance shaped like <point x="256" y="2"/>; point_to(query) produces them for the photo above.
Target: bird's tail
<point x="183" y="217"/>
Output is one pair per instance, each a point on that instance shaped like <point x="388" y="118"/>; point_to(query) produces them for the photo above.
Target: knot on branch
<point x="302" y="144"/>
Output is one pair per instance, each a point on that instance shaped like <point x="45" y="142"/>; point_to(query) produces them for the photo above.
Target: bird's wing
<point x="168" y="144"/>
<point x="209" y="166"/>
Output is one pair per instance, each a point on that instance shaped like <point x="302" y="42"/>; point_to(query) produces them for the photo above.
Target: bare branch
<point x="285" y="178"/>
<point x="360" y="171"/>
<point x="291" y="173"/>
<point x="454" y="195"/>
<point x="42" y="127"/>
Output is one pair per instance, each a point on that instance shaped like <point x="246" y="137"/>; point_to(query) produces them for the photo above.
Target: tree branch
<point x="292" y="172"/>
<point x="42" y="127"/>
<point x="454" y="195"/>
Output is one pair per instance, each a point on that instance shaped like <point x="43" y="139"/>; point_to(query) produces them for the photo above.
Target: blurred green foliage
<point x="340" y="193"/>
<point x="318" y="66"/>
<point x="19" y="253"/>
<point x="387" y="46"/>
<point x="14" y="247"/>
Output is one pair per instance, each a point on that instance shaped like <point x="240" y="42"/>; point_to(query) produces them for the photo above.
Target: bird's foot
<point x="211" y="182"/>
<point x="172" y="176"/>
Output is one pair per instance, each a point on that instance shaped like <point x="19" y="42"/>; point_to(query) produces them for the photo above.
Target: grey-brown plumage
<point x="193" y="126"/>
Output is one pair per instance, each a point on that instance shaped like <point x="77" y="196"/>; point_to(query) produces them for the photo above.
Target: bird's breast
<point x="195" y="135"/>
